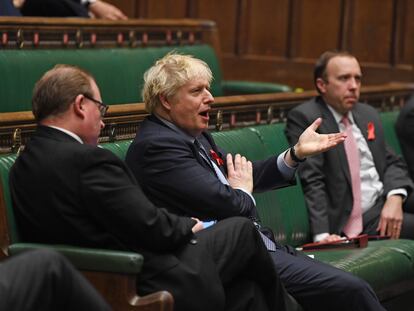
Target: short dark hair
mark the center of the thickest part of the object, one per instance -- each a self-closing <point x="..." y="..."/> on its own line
<point x="323" y="60"/>
<point x="58" y="88"/>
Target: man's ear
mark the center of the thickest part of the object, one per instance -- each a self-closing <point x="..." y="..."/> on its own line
<point x="78" y="106"/>
<point x="321" y="84"/>
<point x="164" y="102"/>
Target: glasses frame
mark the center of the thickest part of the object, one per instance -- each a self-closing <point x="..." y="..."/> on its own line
<point x="103" y="108"/>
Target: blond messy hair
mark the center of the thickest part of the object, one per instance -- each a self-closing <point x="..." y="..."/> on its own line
<point x="169" y="74"/>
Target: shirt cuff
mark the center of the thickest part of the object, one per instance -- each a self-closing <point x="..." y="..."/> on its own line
<point x="399" y="191"/>
<point x="287" y="171"/>
<point x="320" y="236"/>
<point x="248" y="193"/>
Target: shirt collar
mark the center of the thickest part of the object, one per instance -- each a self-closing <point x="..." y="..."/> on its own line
<point x="338" y="117"/>
<point x="67" y="132"/>
<point x="175" y="128"/>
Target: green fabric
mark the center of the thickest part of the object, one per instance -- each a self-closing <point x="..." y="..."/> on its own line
<point x="388" y="120"/>
<point x="118" y="72"/>
<point x="232" y="87"/>
<point x="6" y="163"/>
<point x="119" y="148"/>
<point x="382" y="263"/>
<point x="90" y="258"/>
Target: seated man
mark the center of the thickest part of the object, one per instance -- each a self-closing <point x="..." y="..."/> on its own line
<point x="65" y="190"/>
<point x="170" y="159"/>
<point x="44" y="280"/>
<point x="405" y="132"/>
<point x="361" y="186"/>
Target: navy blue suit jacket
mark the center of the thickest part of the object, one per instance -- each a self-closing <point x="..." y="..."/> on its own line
<point x="172" y="173"/>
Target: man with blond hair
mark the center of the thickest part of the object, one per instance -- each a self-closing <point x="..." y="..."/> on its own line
<point x="179" y="166"/>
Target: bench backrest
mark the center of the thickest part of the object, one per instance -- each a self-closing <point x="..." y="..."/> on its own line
<point x="118" y="72"/>
<point x="388" y="120"/>
<point x="283" y="210"/>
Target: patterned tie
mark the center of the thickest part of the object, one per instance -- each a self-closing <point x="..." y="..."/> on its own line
<point x="354" y="225"/>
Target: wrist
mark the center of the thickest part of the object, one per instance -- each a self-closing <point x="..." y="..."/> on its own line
<point x="295" y="155"/>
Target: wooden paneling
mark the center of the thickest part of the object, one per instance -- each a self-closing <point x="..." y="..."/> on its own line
<point x="266" y="28"/>
<point x="280" y="40"/>
<point x="226" y="15"/>
<point x="316" y="27"/>
<point x="369" y="32"/>
<point x="404" y="45"/>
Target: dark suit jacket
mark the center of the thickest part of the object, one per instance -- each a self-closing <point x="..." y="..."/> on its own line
<point x="69" y="193"/>
<point x="54" y="8"/>
<point x="405" y="131"/>
<point x="326" y="179"/>
<point x="172" y="173"/>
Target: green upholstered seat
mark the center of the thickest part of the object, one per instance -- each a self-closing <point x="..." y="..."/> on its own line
<point x="388" y="120"/>
<point x="282" y="210"/>
<point x="118" y="71"/>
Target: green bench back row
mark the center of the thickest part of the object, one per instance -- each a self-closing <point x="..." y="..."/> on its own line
<point x="119" y="72"/>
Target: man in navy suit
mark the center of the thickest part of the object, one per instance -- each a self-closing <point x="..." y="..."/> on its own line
<point x="382" y="177"/>
<point x="178" y="165"/>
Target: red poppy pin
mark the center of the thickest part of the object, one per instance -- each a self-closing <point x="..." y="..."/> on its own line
<point x="371" y="131"/>
<point x="216" y="157"/>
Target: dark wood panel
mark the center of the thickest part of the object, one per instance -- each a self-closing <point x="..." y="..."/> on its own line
<point x="316" y="27"/>
<point x="226" y="16"/>
<point x="369" y="35"/>
<point x="167" y="8"/>
<point x="405" y="34"/>
<point x="266" y="28"/>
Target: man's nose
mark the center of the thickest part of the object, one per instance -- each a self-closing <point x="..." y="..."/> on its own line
<point x="102" y="125"/>
<point x="209" y="98"/>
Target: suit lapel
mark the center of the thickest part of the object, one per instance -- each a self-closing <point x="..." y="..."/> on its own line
<point x="329" y="125"/>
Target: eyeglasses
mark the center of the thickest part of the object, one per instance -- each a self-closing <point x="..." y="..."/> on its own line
<point x="101" y="106"/>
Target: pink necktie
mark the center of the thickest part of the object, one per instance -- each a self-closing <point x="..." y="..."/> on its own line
<point x="354" y="225"/>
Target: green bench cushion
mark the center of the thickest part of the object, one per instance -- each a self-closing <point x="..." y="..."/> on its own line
<point x="119" y="72"/>
<point x="388" y="120"/>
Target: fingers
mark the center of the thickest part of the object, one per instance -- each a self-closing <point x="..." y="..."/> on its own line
<point x="230" y="166"/>
<point x="389" y="227"/>
<point x="314" y="126"/>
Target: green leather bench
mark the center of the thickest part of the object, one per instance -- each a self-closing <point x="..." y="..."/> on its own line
<point x="118" y="71"/>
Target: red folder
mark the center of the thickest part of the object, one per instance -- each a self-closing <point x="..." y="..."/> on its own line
<point x="360" y="241"/>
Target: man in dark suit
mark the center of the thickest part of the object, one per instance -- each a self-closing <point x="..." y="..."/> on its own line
<point x="45" y="280"/>
<point x="66" y="190"/>
<point x="405" y="132"/>
<point x="178" y="165"/>
<point x="344" y="196"/>
<point x="67" y="8"/>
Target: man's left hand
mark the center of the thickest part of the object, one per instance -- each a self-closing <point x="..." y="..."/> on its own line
<point x="391" y="217"/>
<point x="101" y="9"/>
<point x="311" y="143"/>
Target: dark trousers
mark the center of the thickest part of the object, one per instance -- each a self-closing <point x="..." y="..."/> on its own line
<point x="228" y="269"/>
<point x="44" y="280"/>
<point x="319" y="286"/>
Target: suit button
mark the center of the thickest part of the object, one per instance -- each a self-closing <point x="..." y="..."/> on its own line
<point x="193" y="241"/>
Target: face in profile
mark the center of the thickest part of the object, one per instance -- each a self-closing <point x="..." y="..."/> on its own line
<point x="341" y="86"/>
<point x="93" y="123"/>
<point x="189" y="107"/>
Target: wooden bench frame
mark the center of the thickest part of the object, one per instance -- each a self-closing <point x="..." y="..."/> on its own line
<point x="122" y="121"/>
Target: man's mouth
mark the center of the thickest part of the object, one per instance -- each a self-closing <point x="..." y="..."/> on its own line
<point x="204" y="114"/>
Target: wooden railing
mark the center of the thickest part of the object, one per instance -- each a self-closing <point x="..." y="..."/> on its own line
<point x="122" y="121"/>
<point x="38" y="33"/>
